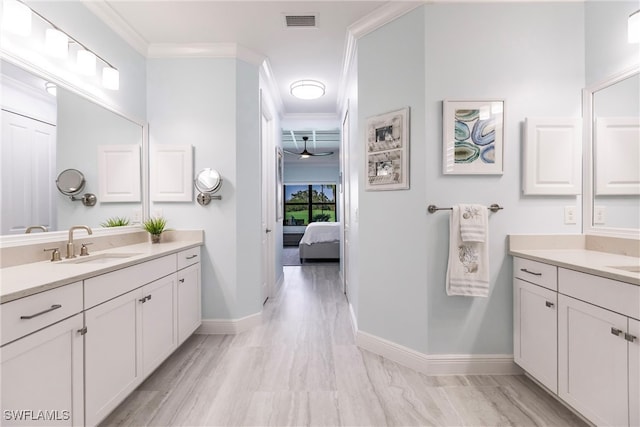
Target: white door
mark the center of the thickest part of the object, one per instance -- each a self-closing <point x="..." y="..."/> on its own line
<point x="44" y="372"/>
<point x="189" y="301"/>
<point x="592" y="361"/>
<point x="28" y="173"/>
<point x="268" y="192"/>
<point x="536" y="332"/>
<point x="345" y="199"/>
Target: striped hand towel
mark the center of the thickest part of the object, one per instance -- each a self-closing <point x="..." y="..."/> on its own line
<point x="474" y="221"/>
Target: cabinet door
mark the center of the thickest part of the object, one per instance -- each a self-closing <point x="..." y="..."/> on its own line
<point x="634" y="372"/>
<point x="42" y="377"/>
<point x="112" y="357"/>
<point x="158" y="322"/>
<point x="592" y="357"/>
<point x="535" y="332"/>
<point x="189" y="302"/>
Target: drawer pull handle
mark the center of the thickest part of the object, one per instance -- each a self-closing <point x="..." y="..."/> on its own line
<point x="530" y="272"/>
<point x="192" y="256"/>
<point x="549" y="304"/>
<point x="629" y="337"/>
<point x="616" y="331"/>
<point x="181" y="280"/>
<point x="53" y="307"/>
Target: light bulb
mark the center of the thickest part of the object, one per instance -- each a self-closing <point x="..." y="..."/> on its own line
<point x="110" y="78"/>
<point x="57" y="43"/>
<point x="86" y="62"/>
<point x="16" y="18"/>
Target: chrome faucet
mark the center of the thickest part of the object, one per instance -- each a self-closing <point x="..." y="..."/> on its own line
<point x="70" y="251"/>
<point x="36" y="227"/>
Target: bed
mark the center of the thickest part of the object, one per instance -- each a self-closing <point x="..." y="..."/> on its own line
<point x="321" y="240"/>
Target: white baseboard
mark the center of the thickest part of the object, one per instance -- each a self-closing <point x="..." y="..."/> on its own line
<point x="439" y="364"/>
<point x="354" y="320"/>
<point x="229" y="326"/>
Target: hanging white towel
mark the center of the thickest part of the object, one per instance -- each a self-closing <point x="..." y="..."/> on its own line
<point x="468" y="269"/>
<point x="474" y="222"/>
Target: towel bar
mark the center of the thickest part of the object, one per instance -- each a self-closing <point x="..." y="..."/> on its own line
<point x="433" y="208"/>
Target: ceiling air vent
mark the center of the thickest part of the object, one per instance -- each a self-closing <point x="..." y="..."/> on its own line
<point x="300" y="21"/>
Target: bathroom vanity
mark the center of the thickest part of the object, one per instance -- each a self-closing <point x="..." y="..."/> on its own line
<point x="577" y="323"/>
<point x="79" y="335"/>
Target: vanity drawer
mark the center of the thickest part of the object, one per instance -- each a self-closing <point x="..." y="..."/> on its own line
<point x="107" y="286"/>
<point x="536" y="272"/>
<point x="26" y="315"/>
<point x="621" y="297"/>
<point x="188" y="257"/>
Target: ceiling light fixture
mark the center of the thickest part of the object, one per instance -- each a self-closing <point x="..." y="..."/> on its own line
<point x="633" y="29"/>
<point x="16" y="18"/>
<point x="307" y="89"/>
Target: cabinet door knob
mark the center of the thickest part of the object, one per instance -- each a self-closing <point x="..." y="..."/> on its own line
<point x="629" y="337"/>
<point x="143" y="300"/>
<point x="549" y="304"/>
<point x="181" y="280"/>
<point x="616" y="331"/>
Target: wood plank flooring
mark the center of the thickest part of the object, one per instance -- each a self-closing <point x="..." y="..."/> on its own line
<point x="301" y="367"/>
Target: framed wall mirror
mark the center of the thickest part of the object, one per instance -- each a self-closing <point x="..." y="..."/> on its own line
<point x="44" y="134"/>
<point x="612" y="155"/>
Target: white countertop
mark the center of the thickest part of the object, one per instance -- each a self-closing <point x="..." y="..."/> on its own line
<point x="586" y="261"/>
<point x="27" y="279"/>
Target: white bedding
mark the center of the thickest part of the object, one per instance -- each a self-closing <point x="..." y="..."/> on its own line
<point x="318" y="232"/>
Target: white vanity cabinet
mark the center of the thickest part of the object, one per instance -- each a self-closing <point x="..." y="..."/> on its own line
<point x="535" y="330"/>
<point x="188" y="293"/>
<point x="598" y="347"/>
<point x="41" y="372"/>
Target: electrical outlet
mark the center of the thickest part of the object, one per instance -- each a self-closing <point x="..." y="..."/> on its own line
<point x="136" y="216"/>
<point x="569" y="214"/>
<point x="156" y="213"/>
<point x="599" y="215"/>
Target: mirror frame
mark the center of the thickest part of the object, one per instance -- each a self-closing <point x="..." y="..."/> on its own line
<point x="588" y="167"/>
<point x="86" y="93"/>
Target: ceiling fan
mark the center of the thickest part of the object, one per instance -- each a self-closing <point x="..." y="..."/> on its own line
<point x="306" y="154"/>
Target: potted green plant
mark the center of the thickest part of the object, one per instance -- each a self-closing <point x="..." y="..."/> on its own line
<point x="115" y="221"/>
<point x="155" y="227"/>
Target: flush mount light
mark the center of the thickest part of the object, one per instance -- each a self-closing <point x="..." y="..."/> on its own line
<point x="307" y="89"/>
<point x="51" y="88"/>
<point x="633" y="28"/>
<point x="57" y="43"/>
<point x="16" y="18"/>
<point x="110" y="78"/>
<point x="86" y="62"/>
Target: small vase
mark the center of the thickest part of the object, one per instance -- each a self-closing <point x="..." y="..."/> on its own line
<point x="155" y="238"/>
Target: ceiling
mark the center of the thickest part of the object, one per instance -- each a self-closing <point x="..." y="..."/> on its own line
<point x="292" y="53"/>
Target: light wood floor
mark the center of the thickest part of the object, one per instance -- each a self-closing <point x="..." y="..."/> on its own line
<point x="301" y="367"/>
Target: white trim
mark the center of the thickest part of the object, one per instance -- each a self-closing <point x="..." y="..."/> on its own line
<point x="440" y="364"/>
<point x="271" y="85"/>
<point x="229" y="326"/>
<point x="204" y="50"/>
<point x="119" y="26"/>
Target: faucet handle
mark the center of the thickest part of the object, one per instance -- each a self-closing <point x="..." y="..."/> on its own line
<point x="55" y="255"/>
<point x="84" y="250"/>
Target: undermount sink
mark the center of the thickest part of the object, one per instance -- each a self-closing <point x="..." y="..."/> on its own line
<point x="629" y="268"/>
<point x="100" y="258"/>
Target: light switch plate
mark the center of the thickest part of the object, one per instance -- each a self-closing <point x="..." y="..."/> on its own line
<point x="599" y="215"/>
<point x="136" y="216"/>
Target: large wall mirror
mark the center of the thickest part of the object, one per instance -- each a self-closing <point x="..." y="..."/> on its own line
<point x="612" y="169"/>
<point x="43" y="135"/>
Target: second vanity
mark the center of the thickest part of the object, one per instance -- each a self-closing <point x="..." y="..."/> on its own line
<point x="79" y="335"/>
<point x="577" y="323"/>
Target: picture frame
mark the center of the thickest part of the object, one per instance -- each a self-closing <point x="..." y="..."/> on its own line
<point x="279" y="184"/>
<point x="387" y="151"/>
<point x="473" y="137"/>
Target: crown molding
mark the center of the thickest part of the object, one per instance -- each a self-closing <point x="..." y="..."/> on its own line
<point x="114" y="21"/>
<point x="365" y="25"/>
<point x="272" y="86"/>
<point x="204" y="50"/>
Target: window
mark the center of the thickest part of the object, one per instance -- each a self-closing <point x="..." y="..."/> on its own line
<point x="309" y="203"/>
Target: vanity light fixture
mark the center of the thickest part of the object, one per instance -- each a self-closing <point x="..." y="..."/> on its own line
<point x="57" y="42"/>
<point x="16" y="18"/>
<point x="633" y="28"/>
<point x="307" y="89"/>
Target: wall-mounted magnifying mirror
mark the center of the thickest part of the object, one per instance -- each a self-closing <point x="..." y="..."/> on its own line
<point x="70" y="182"/>
<point x="208" y="182"/>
